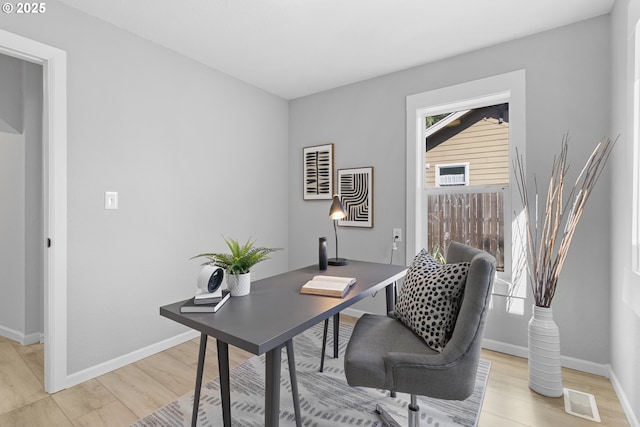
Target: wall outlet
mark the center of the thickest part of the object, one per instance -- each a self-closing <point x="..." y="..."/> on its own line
<point x="111" y="200"/>
<point x="253" y="276"/>
<point x="397" y="235"/>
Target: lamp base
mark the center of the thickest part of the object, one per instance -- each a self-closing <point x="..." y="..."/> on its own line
<point x="338" y="261"/>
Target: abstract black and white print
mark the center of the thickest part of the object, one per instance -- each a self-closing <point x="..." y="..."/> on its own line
<point x="356" y="193"/>
<point x="318" y="172"/>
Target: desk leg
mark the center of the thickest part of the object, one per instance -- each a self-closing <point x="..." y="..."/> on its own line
<point x="225" y="386"/>
<point x="336" y="331"/>
<point x="324" y="343"/>
<point x="391" y="290"/>
<point x="272" y="387"/>
<point x="391" y="296"/>
<point x="196" y="394"/>
<point x="294" y="383"/>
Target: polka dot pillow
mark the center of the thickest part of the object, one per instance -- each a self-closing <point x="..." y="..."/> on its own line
<point x="429" y="301"/>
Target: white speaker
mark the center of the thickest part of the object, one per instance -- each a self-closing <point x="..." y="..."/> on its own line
<point x="210" y="280"/>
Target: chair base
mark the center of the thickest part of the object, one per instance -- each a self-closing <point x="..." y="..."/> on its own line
<point x="413" y="419"/>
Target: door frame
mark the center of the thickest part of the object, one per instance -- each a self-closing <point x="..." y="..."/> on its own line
<point x="54" y="166"/>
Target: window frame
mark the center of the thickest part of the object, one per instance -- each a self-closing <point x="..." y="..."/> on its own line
<point x="439" y="168"/>
<point x="504" y="88"/>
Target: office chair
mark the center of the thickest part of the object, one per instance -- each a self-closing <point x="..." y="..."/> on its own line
<point x="385" y="353"/>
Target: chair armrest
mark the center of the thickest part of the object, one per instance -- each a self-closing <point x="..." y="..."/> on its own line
<point x="431" y="374"/>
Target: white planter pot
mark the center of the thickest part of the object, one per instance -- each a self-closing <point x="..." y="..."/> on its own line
<point x="545" y="373"/>
<point x="239" y="284"/>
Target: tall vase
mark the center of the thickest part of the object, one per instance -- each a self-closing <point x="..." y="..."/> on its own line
<point x="239" y="284"/>
<point x="545" y="373"/>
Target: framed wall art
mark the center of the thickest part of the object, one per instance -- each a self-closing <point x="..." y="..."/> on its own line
<point x="318" y="172"/>
<point x="355" y="187"/>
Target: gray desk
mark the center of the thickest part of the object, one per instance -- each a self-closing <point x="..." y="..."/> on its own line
<point x="269" y="317"/>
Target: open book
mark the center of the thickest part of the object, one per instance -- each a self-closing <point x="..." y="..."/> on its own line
<point x="332" y="286"/>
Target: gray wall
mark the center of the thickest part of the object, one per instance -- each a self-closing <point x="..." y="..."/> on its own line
<point x="186" y="146"/>
<point x="625" y="284"/>
<point x="567" y="75"/>
<point x="34" y="241"/>
<point x="21" y="245"/>
<point x="193" y="153"/>
<point x="12" y="246"/>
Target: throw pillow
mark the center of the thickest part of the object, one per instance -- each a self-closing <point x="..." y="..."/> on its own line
<point x="430" y="299"/>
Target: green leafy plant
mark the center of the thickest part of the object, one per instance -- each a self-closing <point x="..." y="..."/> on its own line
<point x="436" y="253"/>
<point x="242" y="256"/>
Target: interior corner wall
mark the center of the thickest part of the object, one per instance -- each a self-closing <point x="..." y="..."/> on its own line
<point x="12" y="245"/>
<point x="567" y="90"/>
<point x="625" y="316"/>
<point x="21" y="247"/>
<point x="33" y="233"/>
<point x="189" y="150"/>
<point x="12" y="176"/>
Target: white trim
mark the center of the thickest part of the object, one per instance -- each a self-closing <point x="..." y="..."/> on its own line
<point x="54" y="144"/>
<point x="631" y="288"/>
<point x="441" y="166"/>
<point x="444" y="123"/>
<point x="127" y="359"/>
<point x="509" y="87"/>
<point x="624" y="401"/>
<point x="353" y="312"/>
<point x="18" y="336"/>
<point x="602" y="369"/>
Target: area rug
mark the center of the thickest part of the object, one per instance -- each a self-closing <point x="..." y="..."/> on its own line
<point x="325" y="398"/>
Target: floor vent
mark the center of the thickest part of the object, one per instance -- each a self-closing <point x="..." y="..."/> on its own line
<point x="581" y="405"/>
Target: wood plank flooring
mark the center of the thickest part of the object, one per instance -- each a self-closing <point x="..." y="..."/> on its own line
<point x="121" y="397"/>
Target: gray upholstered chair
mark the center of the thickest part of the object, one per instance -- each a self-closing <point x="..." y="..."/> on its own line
<point x="383" y="353"/>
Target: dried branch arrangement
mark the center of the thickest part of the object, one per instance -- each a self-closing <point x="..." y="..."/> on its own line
<point x="548" y="234"/>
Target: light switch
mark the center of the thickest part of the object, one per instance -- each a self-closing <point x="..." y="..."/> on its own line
<point x="111" y="200"/>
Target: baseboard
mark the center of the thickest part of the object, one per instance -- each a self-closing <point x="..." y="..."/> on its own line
<point x="20" y="337"/>
<point x="353" y="312"/>
<point x="624" y="401"/>
<point x="602" y="369"/>
<point x="119" y="362"/>
<point x="11" y="334"/>
<point x="34" y="338"/>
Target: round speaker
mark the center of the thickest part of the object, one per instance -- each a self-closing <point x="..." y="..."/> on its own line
<point x="210" y="278"/>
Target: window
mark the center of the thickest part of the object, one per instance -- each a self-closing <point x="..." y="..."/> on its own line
<point x="631" y="288"/>
<point x="636" y="154"/>
<point x="461" y="207"/>
<point x="484" y="209"/>
<point x="452" y="174"/>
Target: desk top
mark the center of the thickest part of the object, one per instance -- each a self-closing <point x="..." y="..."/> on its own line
<point x="275" y="311"/>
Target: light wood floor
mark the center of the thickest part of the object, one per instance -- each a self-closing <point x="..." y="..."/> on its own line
<point x="121" y="397"/>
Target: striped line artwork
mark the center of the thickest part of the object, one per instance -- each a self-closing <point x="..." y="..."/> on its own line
<point x="354" y="192"/>
<point x="318" y="172"/>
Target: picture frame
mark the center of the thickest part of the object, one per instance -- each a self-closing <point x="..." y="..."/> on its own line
<point x="355" y="187"/>
<point x="317" y="172"/>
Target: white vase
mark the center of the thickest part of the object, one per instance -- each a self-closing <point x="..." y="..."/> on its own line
<point x="239" y="284"/>
<point x="545" y="372"/>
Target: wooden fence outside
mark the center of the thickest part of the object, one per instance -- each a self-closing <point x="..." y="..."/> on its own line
<point x="475" y="219"/>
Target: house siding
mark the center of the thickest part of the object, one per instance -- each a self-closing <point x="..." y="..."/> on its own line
<point x="483" y="142"/>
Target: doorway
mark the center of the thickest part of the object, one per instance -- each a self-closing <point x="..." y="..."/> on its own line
<point x="54" y="200"/>
<point x="21" y="225"/>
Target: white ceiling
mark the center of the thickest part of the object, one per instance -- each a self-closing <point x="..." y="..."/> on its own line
<point x="294" y="48"/>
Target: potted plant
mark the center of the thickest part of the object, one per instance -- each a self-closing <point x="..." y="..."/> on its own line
<point x="238" y="263"/>
<point x="546" y="238"/>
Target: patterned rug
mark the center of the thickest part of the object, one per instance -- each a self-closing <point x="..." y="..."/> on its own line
<point x="325" y="398"/>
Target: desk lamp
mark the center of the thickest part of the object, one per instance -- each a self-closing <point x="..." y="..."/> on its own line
<point x="337" y="212"/>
